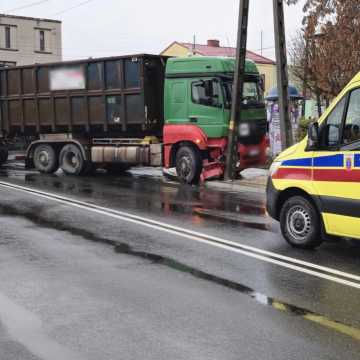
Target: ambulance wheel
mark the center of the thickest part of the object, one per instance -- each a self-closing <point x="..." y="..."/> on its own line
<point x="188" y="165"/>
<point x="45" y="159"/>
<point x="300" y="223"/>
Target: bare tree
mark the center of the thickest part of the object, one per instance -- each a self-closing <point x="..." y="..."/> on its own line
<point x="325" y="55"/>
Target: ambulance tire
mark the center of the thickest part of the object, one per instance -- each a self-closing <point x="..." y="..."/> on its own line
<point x="300" y="223"/>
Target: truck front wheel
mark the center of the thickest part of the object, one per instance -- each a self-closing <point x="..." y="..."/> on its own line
<point x="188" y="165"/>
<point x="300" y="223"/>
<point x="71" y="160"/>
<point x="45" y="159"/>
<point x="3" y="154"/>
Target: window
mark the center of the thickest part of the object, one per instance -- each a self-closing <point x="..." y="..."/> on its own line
<point x="200" y="95"/>
<point x="352" y="122"/>
<point x="330" y="131"/>
<point x="252" y="93"/>
<point x="42" y="40"/>
<point x="7" y="37"/>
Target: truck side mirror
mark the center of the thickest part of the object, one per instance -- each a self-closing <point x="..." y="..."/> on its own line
<point x="209" y="88"/>
<point x="313" y="136"/>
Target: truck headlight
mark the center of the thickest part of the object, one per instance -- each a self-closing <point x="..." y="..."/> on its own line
<point x="274" y="167"/>
<point x="244" y="129"/>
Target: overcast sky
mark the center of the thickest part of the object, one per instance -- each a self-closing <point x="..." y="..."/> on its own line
<point x="116" y="27"/>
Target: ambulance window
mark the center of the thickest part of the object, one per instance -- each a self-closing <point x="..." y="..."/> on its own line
<point x="330" y="133"/>
<point x="352" y="123"/>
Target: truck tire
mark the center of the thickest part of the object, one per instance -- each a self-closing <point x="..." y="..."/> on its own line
<point x="3" y="155"/>
<point x="45" y="159"/>
<point x="300" y="223"/>
<point x="188" y="165"/>
<point x="72" y="161"/>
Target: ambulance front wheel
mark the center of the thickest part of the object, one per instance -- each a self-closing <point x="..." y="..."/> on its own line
<point x="300" y="223"/>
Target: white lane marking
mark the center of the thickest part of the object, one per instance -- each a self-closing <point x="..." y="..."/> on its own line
<point x="249" y="251"/>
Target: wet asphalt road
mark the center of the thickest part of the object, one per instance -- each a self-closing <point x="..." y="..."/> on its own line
<point x="77" y="284"/>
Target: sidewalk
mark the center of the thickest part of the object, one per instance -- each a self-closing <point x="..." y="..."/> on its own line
<point x="254" y="180"/>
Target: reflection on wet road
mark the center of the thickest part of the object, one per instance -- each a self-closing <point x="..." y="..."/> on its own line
<point x="151" y="194"/>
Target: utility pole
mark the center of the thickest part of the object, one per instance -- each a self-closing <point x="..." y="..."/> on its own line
<point x="282" y="74"/>
<point x="238" y="86"/>
<point x="306" y="70"/>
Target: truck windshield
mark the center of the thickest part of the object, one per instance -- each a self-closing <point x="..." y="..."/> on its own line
<point x="252" y="94"/>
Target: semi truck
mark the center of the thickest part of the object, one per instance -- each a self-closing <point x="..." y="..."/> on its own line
<point x="125" y="111"/>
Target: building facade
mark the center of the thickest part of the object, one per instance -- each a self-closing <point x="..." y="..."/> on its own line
<point x="267" y="67"/>
<point x="26" y="40"/>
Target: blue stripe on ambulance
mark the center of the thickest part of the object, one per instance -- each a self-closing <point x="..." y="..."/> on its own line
<point x="320" y="161"/>
<point x="357" y="161"/>
<point x="329" y="161"/>
<point x="298" y="162"/>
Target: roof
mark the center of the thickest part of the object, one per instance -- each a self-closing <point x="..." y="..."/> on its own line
<point x="206" y="50"/>
<point x="28" y="18"/>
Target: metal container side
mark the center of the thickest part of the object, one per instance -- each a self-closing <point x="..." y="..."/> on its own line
<point x="105" y="97"/>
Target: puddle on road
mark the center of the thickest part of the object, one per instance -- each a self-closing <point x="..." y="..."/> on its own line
<point x="152" y="195"/>
<point x="34" y="215"/>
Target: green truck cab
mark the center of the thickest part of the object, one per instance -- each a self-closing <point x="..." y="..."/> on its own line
<point x="198" y="96"/>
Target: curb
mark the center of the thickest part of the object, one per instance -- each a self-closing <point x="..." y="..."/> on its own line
<point x="235" y="187"/>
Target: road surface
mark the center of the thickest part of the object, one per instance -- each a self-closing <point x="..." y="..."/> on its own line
<point x="132" y="267"/>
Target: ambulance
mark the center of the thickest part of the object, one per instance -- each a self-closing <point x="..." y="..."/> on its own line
<point x="313" y="188"/>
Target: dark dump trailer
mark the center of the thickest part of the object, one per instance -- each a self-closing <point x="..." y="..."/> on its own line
<point x="103" y="112"/>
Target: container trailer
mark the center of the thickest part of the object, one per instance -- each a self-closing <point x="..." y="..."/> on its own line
<point x="125" y="111"/>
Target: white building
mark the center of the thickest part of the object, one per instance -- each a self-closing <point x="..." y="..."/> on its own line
<point x="26" y="40"/>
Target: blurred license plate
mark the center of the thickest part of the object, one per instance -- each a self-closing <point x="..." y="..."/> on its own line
<point x="254" y="152"/>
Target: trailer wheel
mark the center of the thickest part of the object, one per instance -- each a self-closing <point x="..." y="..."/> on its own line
<point x="3" y="155"/>
<point x="45" y="159"/>
<point x="188" y="165"/>
<point x="300" y="223"/>
<point x="72" y="161"/>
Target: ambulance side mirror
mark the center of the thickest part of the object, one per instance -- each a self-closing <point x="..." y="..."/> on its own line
<point x="313" y="136"/>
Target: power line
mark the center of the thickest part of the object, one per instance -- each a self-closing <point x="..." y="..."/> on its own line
<point x="72" y="7"/>
<point x="27" y="6"/>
